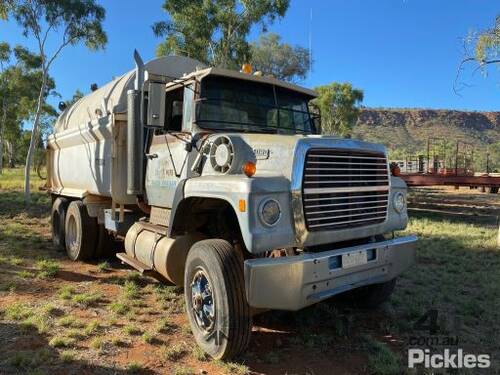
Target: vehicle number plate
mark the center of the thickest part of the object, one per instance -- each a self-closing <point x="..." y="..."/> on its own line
<point x="354" y="259"/>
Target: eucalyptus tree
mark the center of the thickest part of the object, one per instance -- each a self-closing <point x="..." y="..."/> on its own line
<point x="283" y="61"/>
<point x="76" y="97"/>
<point x="339" y="105"/>
<point x="5" y="53"/>
<point x="20" y="79"/>
<point x="215" y="31"/>
<point x="481" y="48"/>
<point x="63" y="22"/>
<point x="487" y="45"/>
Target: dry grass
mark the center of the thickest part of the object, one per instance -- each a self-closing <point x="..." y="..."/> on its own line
<point x="174" y="352"/>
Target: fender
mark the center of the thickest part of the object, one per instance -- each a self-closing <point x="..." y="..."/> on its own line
<point x="253" y="191"/>
<point x="178" y="197"/>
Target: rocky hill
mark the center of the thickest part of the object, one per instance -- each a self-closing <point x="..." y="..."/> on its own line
<point x="407" y="130"/>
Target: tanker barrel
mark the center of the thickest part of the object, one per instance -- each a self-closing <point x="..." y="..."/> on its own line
<point x="135" y="143"/>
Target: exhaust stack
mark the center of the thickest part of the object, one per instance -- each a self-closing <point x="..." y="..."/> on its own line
<point x="135" y="131"/>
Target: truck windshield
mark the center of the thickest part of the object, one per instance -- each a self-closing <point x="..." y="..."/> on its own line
<point x="241" y="105"/>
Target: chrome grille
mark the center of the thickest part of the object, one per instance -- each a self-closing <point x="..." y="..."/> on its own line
<point x="344" y="189"/>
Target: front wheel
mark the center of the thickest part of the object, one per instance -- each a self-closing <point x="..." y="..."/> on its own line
<point x="214" y="290"/>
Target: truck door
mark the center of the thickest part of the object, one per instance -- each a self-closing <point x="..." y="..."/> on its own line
<point x="167" y="158"/>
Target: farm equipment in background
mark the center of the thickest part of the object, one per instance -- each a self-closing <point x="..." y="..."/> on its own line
<point x="446" y="164"/>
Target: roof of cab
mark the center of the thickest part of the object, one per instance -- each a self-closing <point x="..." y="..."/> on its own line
<point x="200" y="74"/>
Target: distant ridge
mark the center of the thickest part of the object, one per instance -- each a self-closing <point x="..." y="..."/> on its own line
<point x="407" y="130"/>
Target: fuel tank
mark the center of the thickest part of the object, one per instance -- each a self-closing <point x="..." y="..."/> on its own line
<point x="166" y="256"/>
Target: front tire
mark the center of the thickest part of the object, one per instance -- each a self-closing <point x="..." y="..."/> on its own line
<point x="57" y="221"/>
<point x="81" y="232"/>
<point x="214" y="291"/>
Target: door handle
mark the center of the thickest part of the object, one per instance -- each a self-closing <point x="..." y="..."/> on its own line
<point x="151" y="156"/>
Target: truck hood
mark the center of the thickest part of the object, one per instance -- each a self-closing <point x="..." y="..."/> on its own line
<point x="274" y="154"/>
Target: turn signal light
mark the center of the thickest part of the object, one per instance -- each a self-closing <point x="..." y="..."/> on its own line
<point x="249" y="168"/>
<point x="242" y="205"/>
<point x="246" y="68"/>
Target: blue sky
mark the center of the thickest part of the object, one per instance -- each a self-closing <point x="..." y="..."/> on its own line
<point x="402" y="53"/>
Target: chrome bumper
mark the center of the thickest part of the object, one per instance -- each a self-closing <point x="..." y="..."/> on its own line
<point x="291" y="283"/>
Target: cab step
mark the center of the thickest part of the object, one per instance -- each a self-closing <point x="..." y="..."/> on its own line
<point x="134" y="263"/>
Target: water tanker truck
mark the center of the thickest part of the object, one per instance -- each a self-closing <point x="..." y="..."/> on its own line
<point x="219" y="181"/>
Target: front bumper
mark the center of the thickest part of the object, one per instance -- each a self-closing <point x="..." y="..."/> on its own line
<point x="291" y="283"/>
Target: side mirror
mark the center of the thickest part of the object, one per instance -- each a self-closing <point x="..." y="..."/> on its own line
<point x="62" y="106"/>
<point x="155" y="112"/>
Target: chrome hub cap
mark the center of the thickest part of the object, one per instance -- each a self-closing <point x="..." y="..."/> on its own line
<point x="203" y="305"/>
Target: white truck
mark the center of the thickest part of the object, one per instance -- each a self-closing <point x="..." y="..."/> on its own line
<point x="219" y="181"/>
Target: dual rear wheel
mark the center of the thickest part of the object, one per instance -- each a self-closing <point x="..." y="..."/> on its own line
<point x="78" y="233"/>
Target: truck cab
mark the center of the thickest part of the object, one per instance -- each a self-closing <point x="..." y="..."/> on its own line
<point x="233" y="193"/>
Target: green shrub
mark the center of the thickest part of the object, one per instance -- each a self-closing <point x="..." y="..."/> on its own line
<point x="18" y="311"/>
<point x="61" y="341"/>
<point x="86" y="299"/>
<point x="47" y="268"/>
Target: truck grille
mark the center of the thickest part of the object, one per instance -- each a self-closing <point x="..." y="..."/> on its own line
<point x="344" y="189"/>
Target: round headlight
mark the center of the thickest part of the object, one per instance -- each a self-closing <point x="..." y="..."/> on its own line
<point x="399" y="202"/>
<point x="270" y="212"/>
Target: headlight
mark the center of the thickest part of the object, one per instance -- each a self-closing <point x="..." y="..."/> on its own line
<point x="270" y="212"/>
<point x="399" y="202"/>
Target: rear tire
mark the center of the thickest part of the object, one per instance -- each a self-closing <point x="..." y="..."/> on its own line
<point x="214" y="291"/>
<point x="81" y="232"/>
<point x="371" y="296"/>
<point x="105" y="243"/>
<point x="57" y="220"/>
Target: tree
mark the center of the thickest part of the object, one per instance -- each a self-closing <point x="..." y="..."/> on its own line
<point x="5" y="52"/>
<point x="20" y="79"/>
<point x="281" y="60"/>
<point x="485" y="49"/>
<point x="76" y="97"/>
<point x="70" y="22"/>
<point x="3" y="11"/>
<point x="214" y="31"/>
<point x="338" y="103"/>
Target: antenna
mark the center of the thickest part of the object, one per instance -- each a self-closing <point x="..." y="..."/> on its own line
<point x="310" y="40"/>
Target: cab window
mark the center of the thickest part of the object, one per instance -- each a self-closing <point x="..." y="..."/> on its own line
<point x="173" y="111"/>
